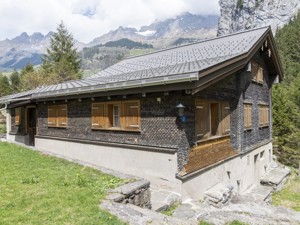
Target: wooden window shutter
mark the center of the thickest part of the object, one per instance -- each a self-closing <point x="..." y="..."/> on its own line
<point x="52" y="115"/>
<point x="62" y="116"/>
<point x="131" y="115"/>
<point x="225" y="118"/>
<point x="18" y="112"/>
<point x="267" y="115"/>
<point x="202" y="120"/>
<point x="98" y="115"/>
<point x="110" y="115"/>
<point x="247" y="115"/>
<point x="260" y="74"/>
<point x="257" y="72"/>
<point x="263" y="115"/>
<point x="254" y="70"/>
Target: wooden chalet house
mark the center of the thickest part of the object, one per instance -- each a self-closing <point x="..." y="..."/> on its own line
<point x="188" y="117"/>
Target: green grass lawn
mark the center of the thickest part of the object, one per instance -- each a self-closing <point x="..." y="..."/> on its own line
<point x="40" y="189"/>
<point x="289" y="196"/>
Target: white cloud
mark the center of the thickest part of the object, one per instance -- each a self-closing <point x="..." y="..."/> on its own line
<point x="87" y="19"/>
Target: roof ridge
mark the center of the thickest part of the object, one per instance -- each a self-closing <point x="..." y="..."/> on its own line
<point x="198" y="42"/>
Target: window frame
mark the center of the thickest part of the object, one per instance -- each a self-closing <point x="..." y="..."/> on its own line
<point x="222" y="126"/>
<point x="108" y="121"/>
<point x="57" y="116"/>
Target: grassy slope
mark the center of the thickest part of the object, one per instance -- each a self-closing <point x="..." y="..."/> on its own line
<point x="289" y="196"/>
<point x="39" y="189"/>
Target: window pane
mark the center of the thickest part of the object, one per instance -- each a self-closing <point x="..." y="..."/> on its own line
<point x="116" y="116"/>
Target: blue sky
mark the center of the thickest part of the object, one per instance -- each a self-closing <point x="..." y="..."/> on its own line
<point x="87" y="19"/>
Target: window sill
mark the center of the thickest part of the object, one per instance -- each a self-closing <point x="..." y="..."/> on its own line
<point x="258" y="82"/>
<point x="58" y="127"/>
<point x="248" y="130"/>
<point x="264" y="126"/>
<point x="116" y="129"/>
<point x="213" y="138"/>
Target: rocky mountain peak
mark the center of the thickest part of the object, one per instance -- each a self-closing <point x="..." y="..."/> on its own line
<point x="246" y="14"/>
<point x="22" y="38"/>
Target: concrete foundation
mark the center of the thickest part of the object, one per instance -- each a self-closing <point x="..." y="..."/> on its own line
<point x="158" y="167"/>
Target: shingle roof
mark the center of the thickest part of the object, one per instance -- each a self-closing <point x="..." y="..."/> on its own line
<point x="26" y="94"/>
<point x="166" y="66"/>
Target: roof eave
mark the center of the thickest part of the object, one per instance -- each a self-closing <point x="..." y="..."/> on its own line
<point x="178" y="78"/>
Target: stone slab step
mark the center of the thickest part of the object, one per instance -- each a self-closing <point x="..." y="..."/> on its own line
<point x="255" y="194"/>
<point x="275" y="177"/>
<point x="162" y="199"/>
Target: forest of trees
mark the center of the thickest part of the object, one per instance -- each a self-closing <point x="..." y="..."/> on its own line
<point x="286" y="96"/>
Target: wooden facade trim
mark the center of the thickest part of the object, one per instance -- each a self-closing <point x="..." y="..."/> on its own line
<point x="209" y="153"/>
<point x="183" y="176"/>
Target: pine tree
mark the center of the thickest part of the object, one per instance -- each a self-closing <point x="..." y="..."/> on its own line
<point x="62" y="59"/>
<point x="15" y="81"/>
<point x="4" y="85"/>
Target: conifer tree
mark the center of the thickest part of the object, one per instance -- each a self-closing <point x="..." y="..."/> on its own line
<point x="4" y="85"/>
<point x="62" y="59"/>
<point x="286" y="96"/>
<point x="15" y="81"/>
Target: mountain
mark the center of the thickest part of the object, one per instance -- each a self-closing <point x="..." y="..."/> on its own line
<point x="246" y="14"/>
<point x="23" y="49"/>
<point x="184" y="28"/>
<point x="161" y="33"/>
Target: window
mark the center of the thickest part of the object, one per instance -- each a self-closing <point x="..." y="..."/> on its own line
<point x="116" y="115"/>
<point x="113" y="114"/>
<point x="212" y="119"/>
<point x="257" y="72"/>
<point x="247" y="115"/>
<point x="18" y="112"/>
<point x="263" y="115"/>
<point x="57" y="116"/>
<point x="262" y="155"/>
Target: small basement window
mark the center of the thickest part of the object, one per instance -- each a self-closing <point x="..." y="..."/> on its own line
<point x="57" y="116"/>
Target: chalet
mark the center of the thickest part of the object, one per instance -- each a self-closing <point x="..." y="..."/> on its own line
<point x="187" y="117"/>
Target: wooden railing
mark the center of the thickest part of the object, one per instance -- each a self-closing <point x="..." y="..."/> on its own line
<point x="209" y="152"/>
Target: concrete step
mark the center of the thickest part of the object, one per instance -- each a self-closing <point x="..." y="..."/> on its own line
<point x="276" y="177"/>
